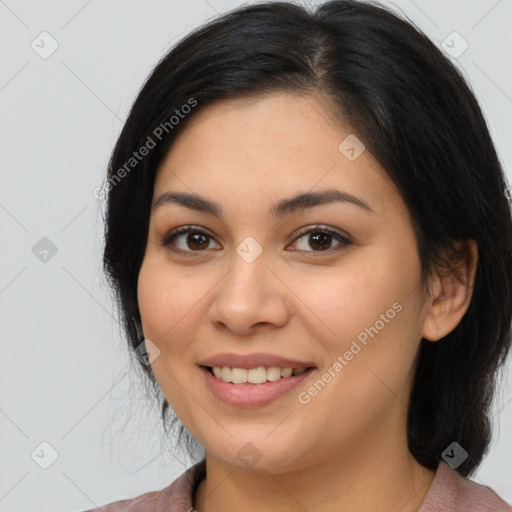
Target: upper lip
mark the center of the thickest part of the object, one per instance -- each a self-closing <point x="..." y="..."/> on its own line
<point x="253" y="361"/>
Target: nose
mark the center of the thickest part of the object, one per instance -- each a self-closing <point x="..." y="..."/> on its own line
<point x="250" y="294"/>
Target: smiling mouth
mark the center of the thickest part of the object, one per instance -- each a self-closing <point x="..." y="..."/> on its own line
<point x="259" y="375"/>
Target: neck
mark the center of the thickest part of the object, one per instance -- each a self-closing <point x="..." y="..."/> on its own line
<point x="372" y="477"/>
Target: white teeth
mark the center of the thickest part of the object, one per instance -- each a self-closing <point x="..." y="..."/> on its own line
<point x="257" y="375"/>
<point x="225" y="374"/>
<point x="286" y="372"/>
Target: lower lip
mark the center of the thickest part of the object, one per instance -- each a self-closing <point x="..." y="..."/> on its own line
<point x="252" y="395"/>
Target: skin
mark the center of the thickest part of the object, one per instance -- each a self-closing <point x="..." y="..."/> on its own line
<point x="347" y="448"/>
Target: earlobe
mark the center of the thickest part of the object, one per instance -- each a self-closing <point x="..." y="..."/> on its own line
<point x="431" y="329"/>
<point x="452" y="292"/>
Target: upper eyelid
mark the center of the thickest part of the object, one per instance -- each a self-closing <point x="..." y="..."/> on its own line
<point x="182" y="230"/>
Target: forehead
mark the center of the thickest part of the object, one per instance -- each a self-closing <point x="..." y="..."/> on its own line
<point x="254" y="150"/>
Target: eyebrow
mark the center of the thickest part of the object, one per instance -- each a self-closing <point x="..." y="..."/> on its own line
<point x="287" y="206"/>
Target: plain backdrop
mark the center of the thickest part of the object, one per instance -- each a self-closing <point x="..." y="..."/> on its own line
<point x="65" y="378"/>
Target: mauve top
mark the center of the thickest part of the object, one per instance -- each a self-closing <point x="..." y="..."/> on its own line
<point x="449" y="492"/>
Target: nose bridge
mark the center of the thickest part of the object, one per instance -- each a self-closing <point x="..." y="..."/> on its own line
<point x="249" y="294"/>
<point x="246" y="282"/>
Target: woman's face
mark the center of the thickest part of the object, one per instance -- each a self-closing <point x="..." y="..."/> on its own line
<point x="258" y="280"/>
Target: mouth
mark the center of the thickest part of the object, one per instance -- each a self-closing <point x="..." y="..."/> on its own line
<point x="255" y="376"/>
<point x="232" y="386"/>
<point x="254" y="379"/>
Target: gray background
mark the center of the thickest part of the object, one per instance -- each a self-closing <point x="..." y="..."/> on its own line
<point x="65" y="375"/>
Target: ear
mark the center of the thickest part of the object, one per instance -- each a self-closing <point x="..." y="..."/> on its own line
<point x="451" y="292"/>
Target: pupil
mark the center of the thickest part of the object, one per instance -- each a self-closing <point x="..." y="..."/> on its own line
<point x="192" y="239"/>
<point x="319" y="239"/>
<point x="319" y="236"/>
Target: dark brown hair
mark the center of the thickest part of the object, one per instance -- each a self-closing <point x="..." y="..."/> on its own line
<point x="414" y="111"/>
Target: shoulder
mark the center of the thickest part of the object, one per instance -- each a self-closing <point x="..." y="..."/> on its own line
<point x="176" y="497"/>
<point x="142" y="503"/>
<point x="452" y="492"/>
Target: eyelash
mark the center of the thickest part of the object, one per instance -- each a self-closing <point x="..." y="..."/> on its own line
<point x="168" y="239"/>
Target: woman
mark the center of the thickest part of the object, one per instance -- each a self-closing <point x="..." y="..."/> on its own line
<point x="310" y="239"/>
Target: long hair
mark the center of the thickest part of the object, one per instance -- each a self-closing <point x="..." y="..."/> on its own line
<point x="413" y="110"/>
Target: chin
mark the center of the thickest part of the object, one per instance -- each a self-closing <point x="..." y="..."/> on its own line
<point x="260" y="454"/>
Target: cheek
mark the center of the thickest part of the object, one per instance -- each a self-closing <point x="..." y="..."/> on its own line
<point x="172" y="307"/>
<point x="366" y="313"/>
<point x="152" y="299"/>
<point x="343" y="303"/>
<point x="162" y="301"/>
<point x="167" y="322"/>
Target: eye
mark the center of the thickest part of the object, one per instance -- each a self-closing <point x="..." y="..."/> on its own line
<point x="192" y="237"/>
<point x="319" y="239"/>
